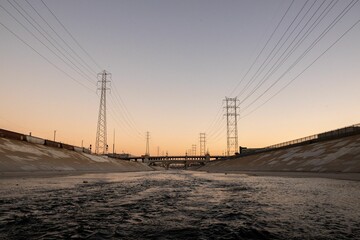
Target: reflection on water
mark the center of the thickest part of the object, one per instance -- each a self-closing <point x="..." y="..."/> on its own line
<point x="179" y="205"/>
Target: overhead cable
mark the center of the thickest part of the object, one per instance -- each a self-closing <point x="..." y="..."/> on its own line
<point x="313" y="62"/>
<point x="314" y="43"/>
<point x="73" y="38"/>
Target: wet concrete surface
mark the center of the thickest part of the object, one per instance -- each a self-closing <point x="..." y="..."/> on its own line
<point x="178" y="205"/>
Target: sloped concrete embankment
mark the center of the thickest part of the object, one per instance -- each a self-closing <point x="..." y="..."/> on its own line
<point x="340" y="155"/>
<point x="20" y="156"/>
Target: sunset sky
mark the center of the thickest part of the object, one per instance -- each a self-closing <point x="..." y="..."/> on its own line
<point x="172" y="65"/>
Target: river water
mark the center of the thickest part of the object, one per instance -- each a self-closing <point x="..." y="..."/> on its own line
<point x="178" y="205"/>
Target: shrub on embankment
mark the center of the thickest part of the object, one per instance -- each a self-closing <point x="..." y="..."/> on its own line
<point x="22" y="156"/>
<point x="339" y="155"/>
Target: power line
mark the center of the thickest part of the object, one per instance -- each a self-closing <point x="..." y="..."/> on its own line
<point x="218" y="127"/>
<point x="263" y="80"/>
<point x="330" y="26"/>
<point x="220" y="136"/>
<point x="313" y="62"/>
<point x="128" y="117"/>
<point x="118" y="122"/>
<point x="68" y="32"/>
<point x="62" y="39"/>
<point x="216" y="124"/>
<point x="123" y="106"/>
<point x="126" y="125"/>
<point x="83" y="74"/>
<point x="254" y="76"/>
<point x="262" y="50"/>
<point x="216" y="119"/>
<point x="46" y="59"/>
<point x="127" y="113"/>
<point x="45" y="45"/>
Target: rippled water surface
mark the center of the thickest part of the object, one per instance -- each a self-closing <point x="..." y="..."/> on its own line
<point x="179" y="205"/>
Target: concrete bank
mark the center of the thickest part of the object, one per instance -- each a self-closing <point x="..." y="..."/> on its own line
<point x="23" y="158"/>
<point x="335" y="158"/>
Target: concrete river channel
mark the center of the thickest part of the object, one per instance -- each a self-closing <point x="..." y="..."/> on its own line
<point x="178" y="204"/>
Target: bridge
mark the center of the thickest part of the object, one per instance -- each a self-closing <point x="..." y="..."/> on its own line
<point x="166" y="161"/>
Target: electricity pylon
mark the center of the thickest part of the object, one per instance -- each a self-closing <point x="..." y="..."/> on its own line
<point x="231" y="123"/>
<point x="101" y="133"/>
<point x="193" y="150"/>
<point x="202" y="144"/>
<point x="147" y="151"/>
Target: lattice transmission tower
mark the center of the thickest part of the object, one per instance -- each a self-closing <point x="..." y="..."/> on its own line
<point x="193" y="150"/>
<point x="202" y="144"/>
<point x="147" y="151"/>
<point x="101" y="133"/>
<point x="231" y="106"/>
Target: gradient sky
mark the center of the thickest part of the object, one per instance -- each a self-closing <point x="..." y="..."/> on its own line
<point x="172" y="64"/>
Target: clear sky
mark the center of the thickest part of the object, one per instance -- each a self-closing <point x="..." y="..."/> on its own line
<point x="173" y="63"/>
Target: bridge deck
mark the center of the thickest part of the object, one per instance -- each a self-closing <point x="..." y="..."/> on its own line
<point x="167" y="158"/>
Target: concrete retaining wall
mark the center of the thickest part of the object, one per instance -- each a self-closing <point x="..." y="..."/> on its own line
<point x="340" y="155"/>
<point x="21" y="156"/>
<point x="35" y="140"/>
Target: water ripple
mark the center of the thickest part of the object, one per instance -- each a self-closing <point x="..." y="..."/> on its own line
<point x="181" y="205"/>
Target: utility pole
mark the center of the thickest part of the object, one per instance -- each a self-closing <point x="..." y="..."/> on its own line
<point x="202" y="144"/>
<point x="101" y="133"/>
<point x="231" y="107"/>
<point x="54" y="135"/>
<point x="158" y="151"/>
<point x="147" y="152"/>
